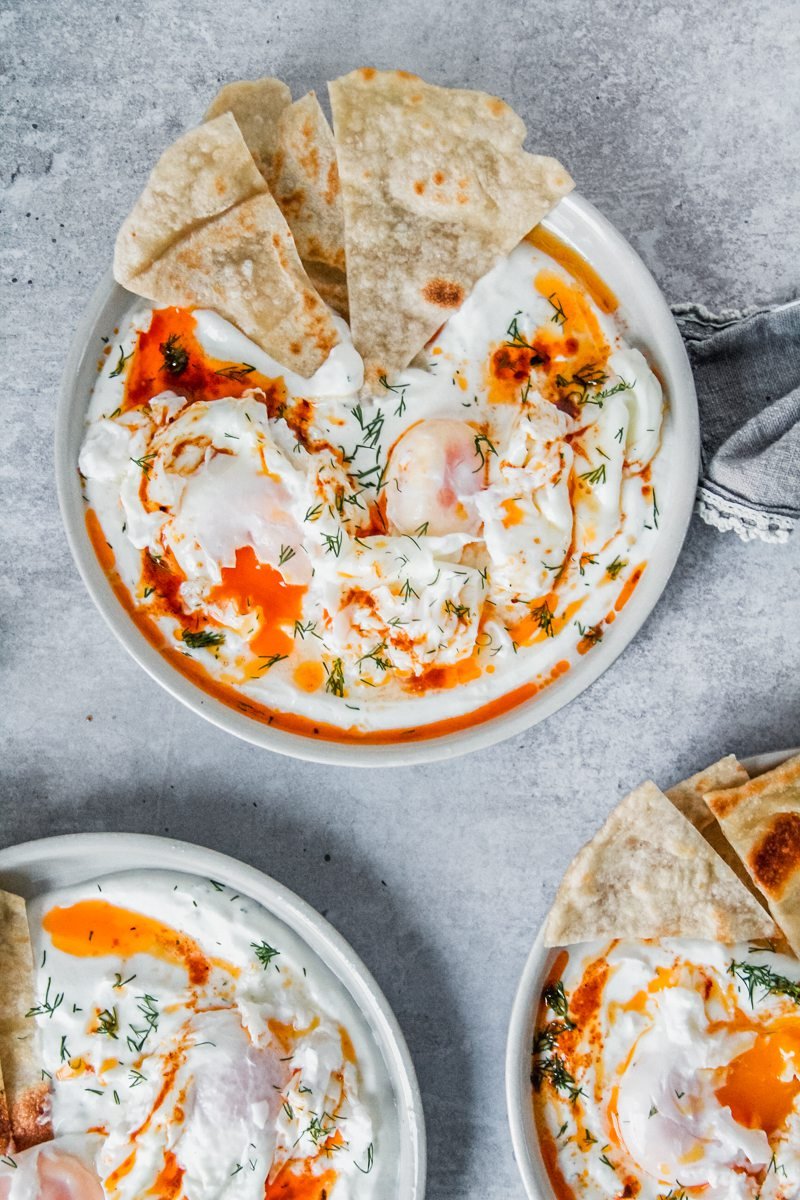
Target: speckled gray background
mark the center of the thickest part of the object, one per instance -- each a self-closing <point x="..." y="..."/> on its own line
<point x="681" y="122"/>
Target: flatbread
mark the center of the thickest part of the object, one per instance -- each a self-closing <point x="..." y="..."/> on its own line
<point x="436" y="189"/>
<point x="304" y="180"/>
<point x="648" y="873"/>
<point x="293" y="146"/>
<point x="256" y="104"/>
<point x="689" y="798"/>
<point x="206" y="232"/>
<point x="204" y="173"/>
<point x="6" y="1135"/>
<point x="26" y="1093"/>
<point x="761" y="820"/>
<point x="244" y="265"/>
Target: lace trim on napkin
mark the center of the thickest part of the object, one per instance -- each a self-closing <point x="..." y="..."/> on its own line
<point x="746" y="523"/>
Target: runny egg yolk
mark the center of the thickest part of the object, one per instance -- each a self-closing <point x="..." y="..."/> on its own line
<point x="435" y="471"/>
<point x="756" y="1087"/>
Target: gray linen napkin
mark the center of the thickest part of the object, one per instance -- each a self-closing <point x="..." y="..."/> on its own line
<point x="747" y="372"/>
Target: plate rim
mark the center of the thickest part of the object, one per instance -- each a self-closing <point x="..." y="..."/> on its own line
<point x="323" y="939"/>
<point x="72" y="406"/>
<point x="521" y="1125"/>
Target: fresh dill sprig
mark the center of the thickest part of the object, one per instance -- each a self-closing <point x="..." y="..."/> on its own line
<point x="120" y="367"/>
<point x="333" y="543"/>
<point x="108" y="1022"/>
<point x="544" y="615"/>
<point x="377" y="656"/>
<point x="264" y="953"/>
<point x="269" y="660"/>
<point x="335" y="681"/>
<point x="559" y="317"/>
<point x="46" y="1007"/>
<point x="144" y="462"/>
<point x="483" y="447"/>
<point x="237" y="371"/>
<point x="760" y="978"/>
<point x="140" y="1033"/>
<point x="590" y="633"/>
<point x="202" y="638"/>
<point x="595" y="475"/>
<point x="176" y="357"/>
<point x="370" y="1161"/>
<point x="613" y="569"/>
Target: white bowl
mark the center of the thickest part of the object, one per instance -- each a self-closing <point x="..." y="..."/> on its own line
<point x="648" y="324"/>
<point x="520" y="1039"/>
<point x="36" y="867"/>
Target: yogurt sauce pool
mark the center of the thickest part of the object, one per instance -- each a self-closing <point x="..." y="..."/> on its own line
<point x="383" y="563"/>
<point x="192" y="1040"/>
<point x="670" y="1069"/>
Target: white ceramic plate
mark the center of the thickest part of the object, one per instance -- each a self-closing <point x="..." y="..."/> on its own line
<point x="520" y="1039"/>
<point x="36" y="867"/>
<point x="648" y="324"/>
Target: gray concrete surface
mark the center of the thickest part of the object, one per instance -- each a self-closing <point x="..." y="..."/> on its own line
<point x="681" y="122"/>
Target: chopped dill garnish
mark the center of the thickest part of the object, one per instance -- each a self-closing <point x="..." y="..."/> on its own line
<point x="595" y="475"/>
<point x="264" y="953"/>
<point x="269" y="660"/>
<point x="144" y="462"/>
<point x="590" y="633"/>
<point x="335" y="681"/>
<point x="47" y="1006"/>
<point x="238" y="371"/>
<point x="613" y="569"/>
<point x="376" y="655"/>
<point x="333" y="543"/>
<point x="481" y="441"/>
<point x="108" y="1022"/>
<point x="462" y="612"/>
<point x="286" y="553"/>
<point x="554" y="1069"/>
<point x="202" y="638"/>
<point x="556" y="999"/>
<point x="760" y="978"/>
<point x="370" y="1160"/>
<point x="176" y="358"/>
<point x="120" y="367"/>
<point x="559" y="317"/>
<point x="140" y="1033"/>
<point x="544" y="617"/>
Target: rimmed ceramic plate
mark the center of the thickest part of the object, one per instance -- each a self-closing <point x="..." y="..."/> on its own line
<point x="648" y="325"/>
<point x="520" y="1038"/>
<point x="33" y="868"/>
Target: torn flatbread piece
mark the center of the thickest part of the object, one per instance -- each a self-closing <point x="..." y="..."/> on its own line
<point x="6" y="1136"/>
<point x="689" y="798"/>
<point x="648" y="873"/>
<point x="304" y="180"/>
<point x="26" y="1093"/>
<point x="436" y="189"/>
<point x="761" y="820"/>
<point x="293" y="146"/>
<point x="206" y="233"/>
<point x="256" y="105"/>
<point x="207" y="171"/>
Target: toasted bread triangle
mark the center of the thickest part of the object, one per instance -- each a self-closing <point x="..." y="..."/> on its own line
<point x="761" y="820"/>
